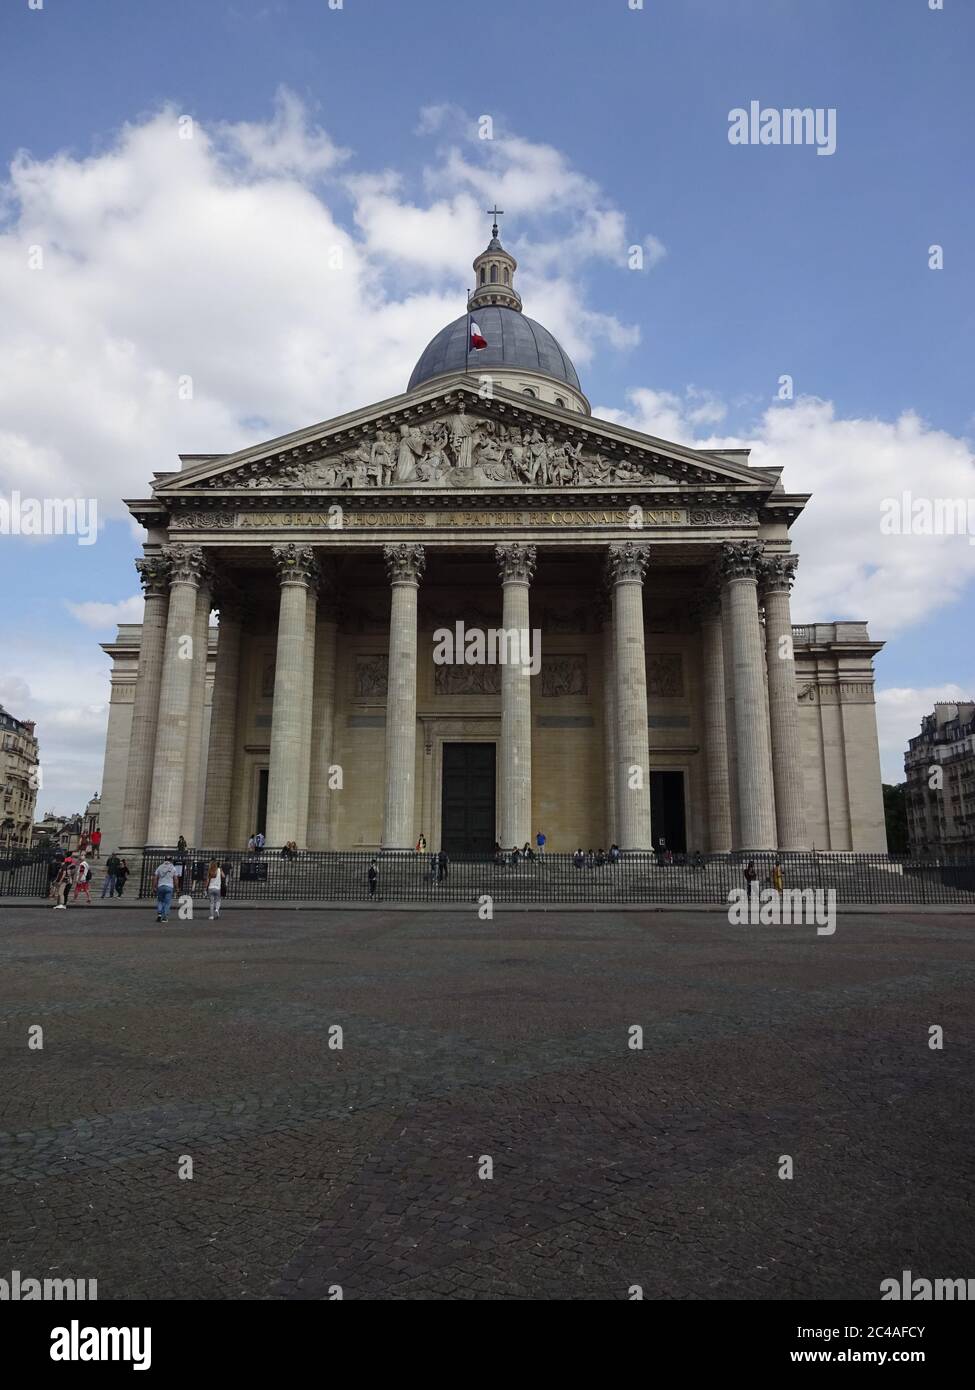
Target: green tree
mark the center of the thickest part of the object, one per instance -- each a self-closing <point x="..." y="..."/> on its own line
<point x="895" y="816"/>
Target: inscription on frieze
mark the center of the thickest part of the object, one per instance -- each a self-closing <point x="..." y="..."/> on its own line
<point x="353" y="519"/>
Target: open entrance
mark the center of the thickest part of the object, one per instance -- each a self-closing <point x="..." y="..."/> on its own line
<point x="667" y="811"/>
<point x="467" y="816"/>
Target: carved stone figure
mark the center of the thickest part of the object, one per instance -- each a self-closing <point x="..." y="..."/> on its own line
<point x="461" y="679"/>
<point x="372" y="676"/>
<point x="464" y="450"/>
<point x="665" y="676"/>
<point x="564" y="675"/>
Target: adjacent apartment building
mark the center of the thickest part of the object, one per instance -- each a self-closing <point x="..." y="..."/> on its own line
<point x="940" y="767"/>
<point x="18" y="780"/>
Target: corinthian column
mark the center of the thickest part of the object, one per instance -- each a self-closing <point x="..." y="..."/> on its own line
<point x="187" y="571"/>
<point x="307" y="700"/>
<point x="223" y="723"/>
<point x="715" y="728"/>
<point x="198" y="693"/>
<point x="627" y="563"/>
<point x="516" y="563"/>
<point x="296" y="572"/>
<point x="740" y="563"/>
<point x="605" y="608"/>
<point x="405" y="564"/>
<point x="777" y="576"/>
<point x="154" y="577"/>
<point x="320" y="820"/>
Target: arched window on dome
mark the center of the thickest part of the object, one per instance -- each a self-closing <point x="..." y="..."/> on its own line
<point x="494" y="274"/>
<point x="483" y="275"/>
<point x="560" y="401"/>
<point x="527" y="391"/>
<point x="506" y="280"/>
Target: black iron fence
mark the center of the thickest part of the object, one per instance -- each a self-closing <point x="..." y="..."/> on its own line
<point x="28" y="873"/>
<point x="637" y="877"/>
<point x="269" y="876"/>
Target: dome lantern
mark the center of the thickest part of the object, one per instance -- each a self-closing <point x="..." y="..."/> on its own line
<point x="494" y="273"/>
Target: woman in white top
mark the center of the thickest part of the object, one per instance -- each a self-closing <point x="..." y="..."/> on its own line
<point x="214" y="887"/>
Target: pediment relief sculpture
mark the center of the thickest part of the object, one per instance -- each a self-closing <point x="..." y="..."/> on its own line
<point x="460" y="450"/>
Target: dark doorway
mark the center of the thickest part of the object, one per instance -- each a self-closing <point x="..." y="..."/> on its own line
<point x="667" y="811"/>
<point x="261" y="802"/>
<point x="467" y="800"/>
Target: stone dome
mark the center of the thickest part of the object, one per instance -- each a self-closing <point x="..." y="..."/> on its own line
<point x="515" y="342"/>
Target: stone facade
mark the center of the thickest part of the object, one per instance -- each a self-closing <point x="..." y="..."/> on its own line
<point x="633" y="668"/>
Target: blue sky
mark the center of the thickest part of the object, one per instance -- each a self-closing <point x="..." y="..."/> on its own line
<point x="770" y="260"/>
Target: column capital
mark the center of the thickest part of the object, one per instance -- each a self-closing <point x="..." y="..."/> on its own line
<point x="154" y="575"/>
<point x="516" y="562"/>
<point x="777" y="573"/>
<point x="405" y="562"/>
<point x="741" y="560"/>
<point x="295" y="564"/>
<point x="187" y="564"/>
<point x="626" y="562"/>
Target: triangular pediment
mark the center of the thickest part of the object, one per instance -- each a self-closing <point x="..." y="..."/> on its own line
<point x="453" y="438"/>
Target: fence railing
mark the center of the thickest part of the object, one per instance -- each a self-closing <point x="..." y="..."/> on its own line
<point x="637" y="877"/>
<point x="27" y="873"/>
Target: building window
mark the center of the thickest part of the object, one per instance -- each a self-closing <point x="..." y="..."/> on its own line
<point x="560" y="401"/>
<point x="494" y="275"/>
<point x="482" y="275"/>
<point x="527" y="391"/>
<point x="506" y="281"/>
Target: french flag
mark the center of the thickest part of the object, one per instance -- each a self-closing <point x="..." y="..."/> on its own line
<point x="476" y="340"/>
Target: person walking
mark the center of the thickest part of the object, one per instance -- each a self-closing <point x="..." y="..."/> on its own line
<point x="82" y="883"/>
<point x="259" y="840"/>
<point x="181" y="844"/>
<point x="421" y="843"/>
<point x="63" y="883"/>
<point x="751" y="879"/>
<point x="96" y="844"/>
<point x="443" y="866"/>
<point x="164" y="880"/>
<point x="540" y="842"/>
<point x="373" y="878"/>
<point x="215" y="888"/>
<point x="112" y="864"/>
<point x="778" y="880"/>
<point x="121" y="874"/>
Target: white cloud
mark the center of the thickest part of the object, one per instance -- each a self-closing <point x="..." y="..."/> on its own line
<point x="212" y="259"/>
<point x="849" y="567"/>
<point x="105" y="616"/>
<point x="899" y="713"/>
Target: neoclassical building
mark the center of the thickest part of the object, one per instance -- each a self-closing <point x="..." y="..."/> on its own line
<point x="372" y="575"/>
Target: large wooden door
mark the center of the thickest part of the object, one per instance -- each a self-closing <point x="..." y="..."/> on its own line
<point x="467" y="816"/>
<point x="667" y="811"/>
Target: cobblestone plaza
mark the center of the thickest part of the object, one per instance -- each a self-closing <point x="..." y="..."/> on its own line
<point x="462" y="1040"/>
